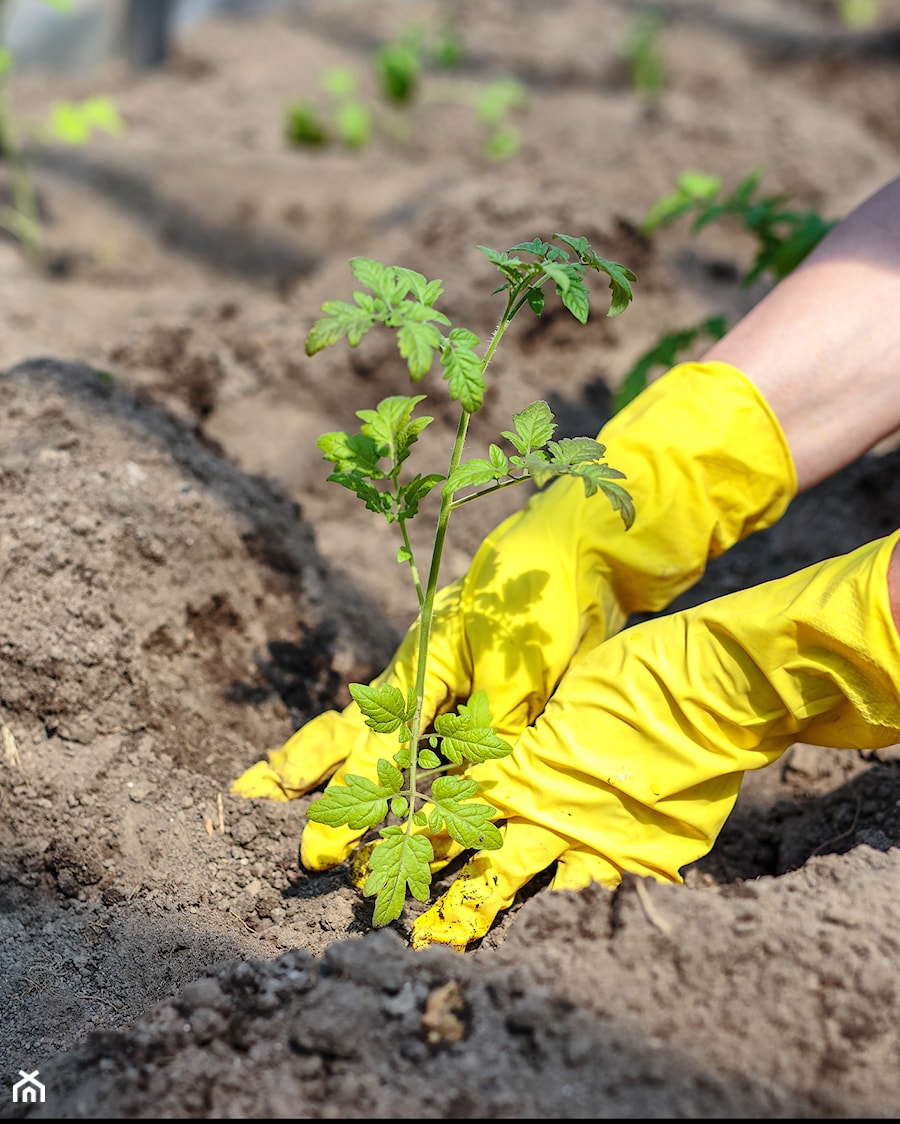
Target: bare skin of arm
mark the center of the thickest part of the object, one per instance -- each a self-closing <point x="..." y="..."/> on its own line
<point x="823" y="347"/>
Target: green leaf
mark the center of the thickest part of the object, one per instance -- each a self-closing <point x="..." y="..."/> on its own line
<point x="417" y="344"/>
<point x="469" y="824"/>
<point x="471" y="473"/>
<point x="399" y="860"/>
<point x="358" y="452"/>
<point x="464" y="372"/>
<point x="620" y="279"/>
<point x="534" y="427"/>
<point x="536" y="246"/>
<point x="370" y="273"/>
<point x="535" y="298"/>
<point x="358" y="803"/>
<point x="693" y="188"/>
<point x="412" y="494"/>
<point x="576" y="299"/>
<point x="463" y="741"/>
<point x="379" y="502"/>
<point x="390" y="419"/>
<point x="384" y="707"/>
<point x="341" y="319"/>
<point x="74" y="122"/>
<point x="468" y="735"/>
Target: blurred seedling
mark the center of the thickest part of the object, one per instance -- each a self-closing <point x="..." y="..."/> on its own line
<point x="784" y="237"/>
<point x="400" y="68"/>
<point x="70" y="123"/>
<point x="345" y="117"/>
<point x="643" y="55"/>
<point x="421" y="785"/>
<point x="859" y="14"/>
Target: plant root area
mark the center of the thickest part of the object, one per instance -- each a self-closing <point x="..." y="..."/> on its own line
<point x="182" y="588"/>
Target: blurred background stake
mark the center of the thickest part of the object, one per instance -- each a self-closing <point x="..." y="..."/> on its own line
<point x="147" y="31"/>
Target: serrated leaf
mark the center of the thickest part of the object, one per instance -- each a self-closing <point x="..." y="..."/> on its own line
<point x="469" y="824"/>
<point x="575" y="450"/>
<point x="418" y="344"/>
<point x="477" y="708"/>
<point x="379" y="502"/>
<point x="576" y="298"/>
<point x="399" y="860"/>
<point x="358" y="803"/>
<point x="369" y="272"/>
<point x="389" y="417"/>
<point x="536" y="246"/>
<point x="462" y="337"/>
<point x="462" y="741"/>
<point x="471" y="473"/>
<point x="534" y="427"/>
<point x="498" y="459"/>
<point x="463" y="371"/>
<point x="620" y="279"/>
<point x="412" y="494"/>
<point x="384" y="707"/>
<point x="328" y="330"/>
<point x="356" y="451"/>
<point x="561" y="275"/>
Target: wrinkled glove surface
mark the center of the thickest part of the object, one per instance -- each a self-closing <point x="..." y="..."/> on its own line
<point x="637" y="759"/>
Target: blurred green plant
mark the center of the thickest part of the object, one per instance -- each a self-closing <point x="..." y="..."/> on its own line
<point x="346" y="116"/>
<point x="784" y="237"/>
<point x="859" y="13"/>
<point x="71" y="123"/>
<point x="492" y="106"/>
<point x="400" y="69"/>
<point x="642" y="53"/>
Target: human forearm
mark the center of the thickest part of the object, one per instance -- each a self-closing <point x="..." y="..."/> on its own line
<point x="823" y="346"/>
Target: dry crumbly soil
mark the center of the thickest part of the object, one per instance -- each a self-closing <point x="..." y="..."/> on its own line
<point x="182" y="588"/>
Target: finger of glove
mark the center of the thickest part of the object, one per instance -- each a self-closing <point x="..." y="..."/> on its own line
<point x="578" y="868"/>
<point x="260" y="781"/>
<point x="486" y="885"/>
<point x="306" y="759"/>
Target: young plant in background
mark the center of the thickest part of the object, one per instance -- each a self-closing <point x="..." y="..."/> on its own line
<point x="784" y="237"/>
<point x="71" y="123"/>
<point x="492" y="107"/>
<point x="373" y="464"/>
<point x="643" y="55"/>
<point x="346" y="117"/>
<point x="401" y="70"/>
<point x="859" y="13"/>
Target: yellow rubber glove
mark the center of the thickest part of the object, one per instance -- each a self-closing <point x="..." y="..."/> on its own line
<point x="706" y="464"/>
<point x="636" y="761"/>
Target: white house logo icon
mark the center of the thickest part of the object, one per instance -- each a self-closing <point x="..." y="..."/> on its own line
<point x="29" y="1090"/>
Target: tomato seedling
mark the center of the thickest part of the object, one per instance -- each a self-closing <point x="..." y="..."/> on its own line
<point x="424" y="773"/>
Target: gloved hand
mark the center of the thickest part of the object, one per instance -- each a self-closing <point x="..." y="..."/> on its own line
<point x="637" y="759"/>
<point x="705" y="462"/>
